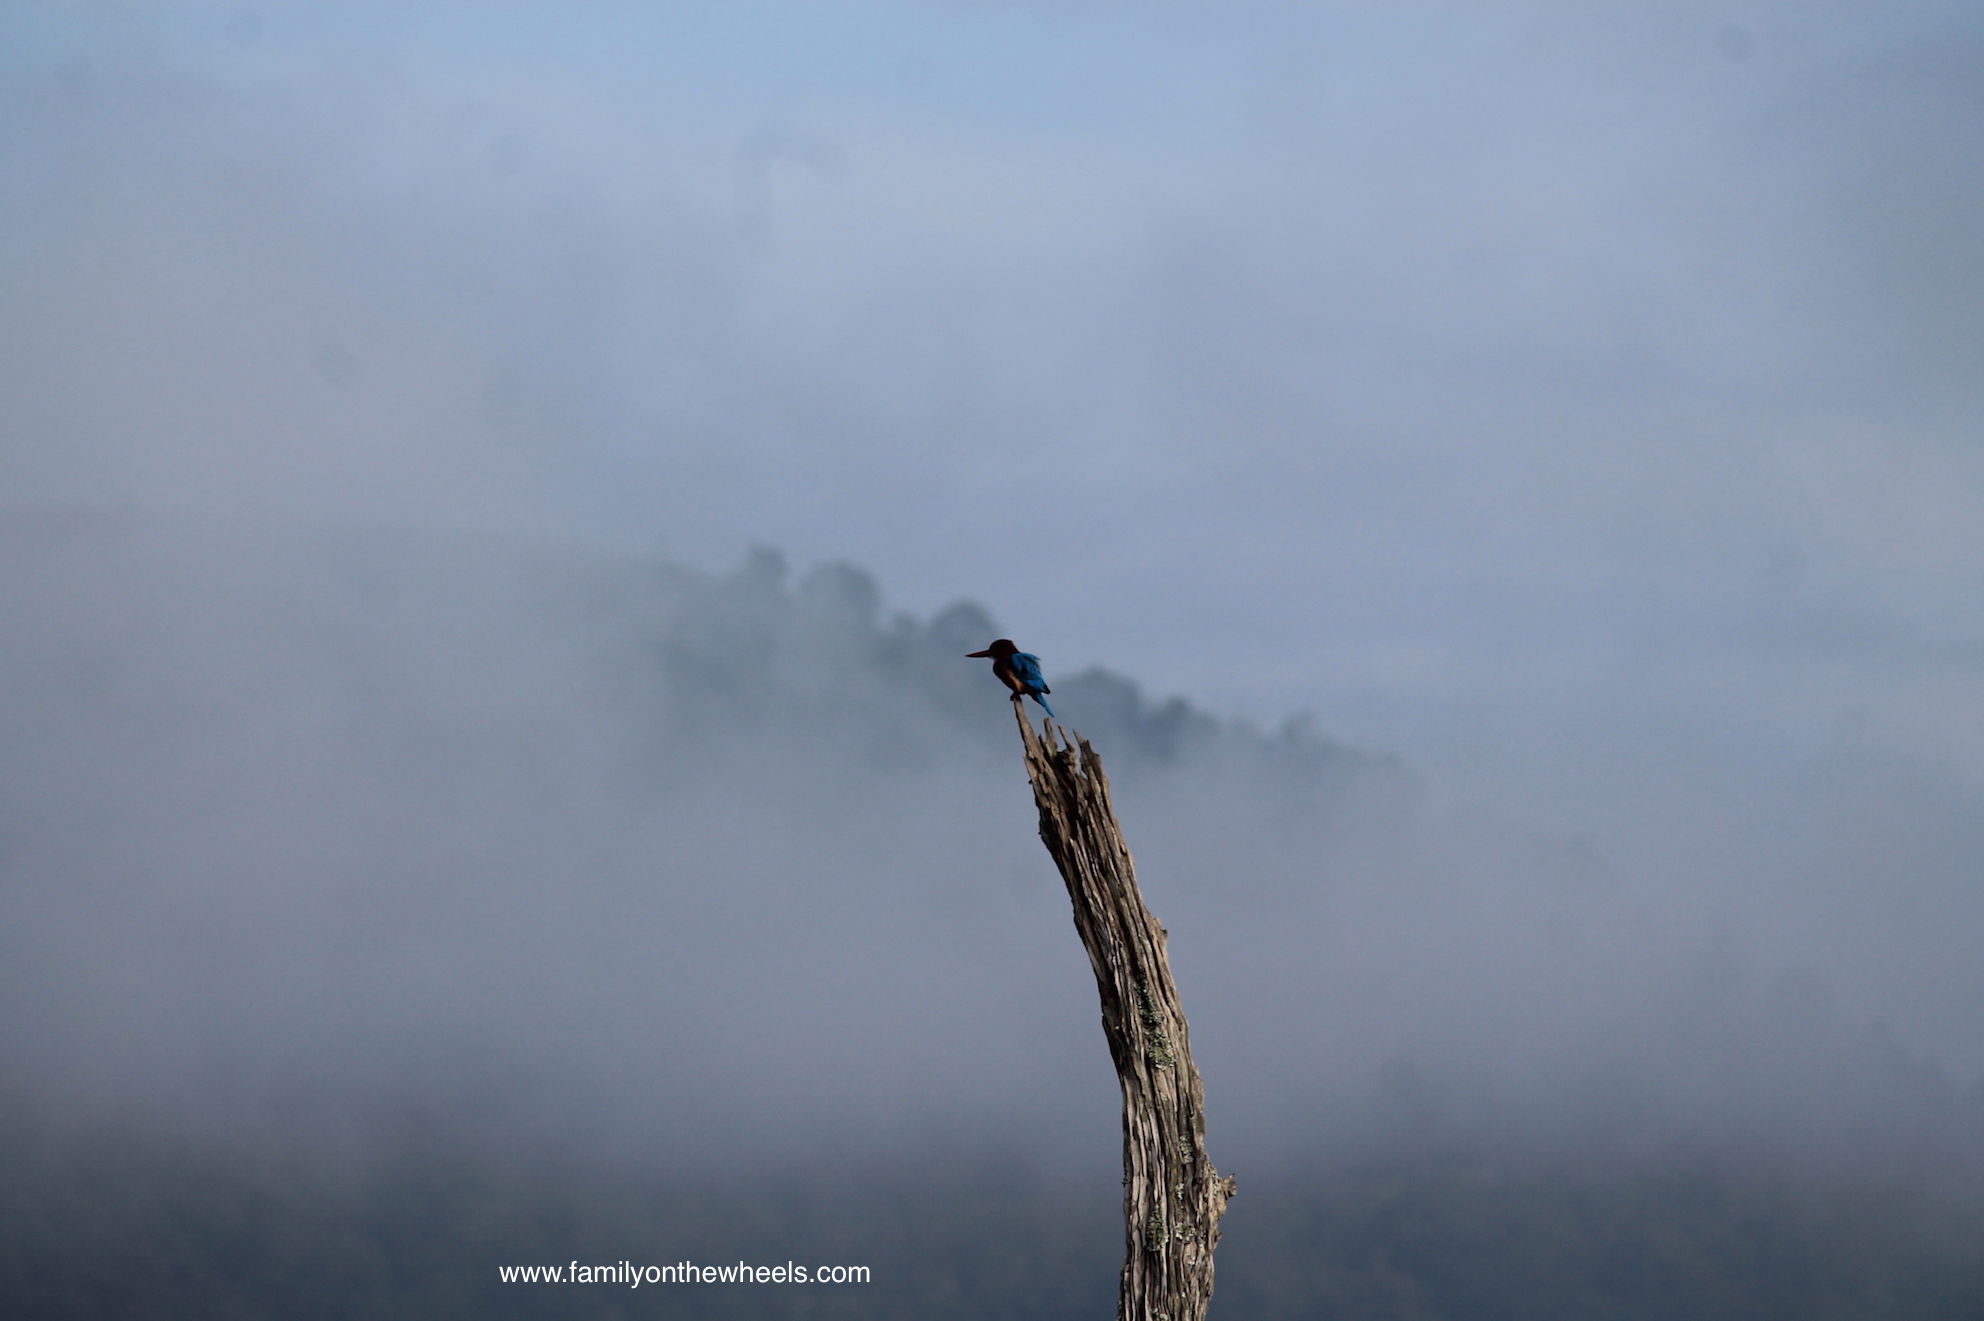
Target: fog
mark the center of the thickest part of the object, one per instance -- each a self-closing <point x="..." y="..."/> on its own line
<point x="493" y="506"/>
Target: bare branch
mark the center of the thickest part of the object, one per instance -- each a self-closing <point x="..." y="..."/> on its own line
<point x="1173" y="1198"/>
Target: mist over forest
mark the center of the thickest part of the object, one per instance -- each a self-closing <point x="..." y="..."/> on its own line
<point x="360" y="869"/>
<point x="493" y="508"/>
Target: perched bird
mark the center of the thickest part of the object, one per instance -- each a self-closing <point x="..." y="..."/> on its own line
<point x="1018" y="670"/>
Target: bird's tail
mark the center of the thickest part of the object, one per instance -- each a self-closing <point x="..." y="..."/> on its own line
<point x="1043" y="704"/>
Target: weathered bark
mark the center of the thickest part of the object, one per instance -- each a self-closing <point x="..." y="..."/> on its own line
<point x="1172" y="1197"/>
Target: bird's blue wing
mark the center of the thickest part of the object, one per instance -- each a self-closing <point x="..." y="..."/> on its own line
<point x="1027" y="666"/>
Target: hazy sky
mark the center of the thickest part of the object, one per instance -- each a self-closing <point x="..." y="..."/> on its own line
<point x="1443" y="371"/>
<point x="1581" y="400"/>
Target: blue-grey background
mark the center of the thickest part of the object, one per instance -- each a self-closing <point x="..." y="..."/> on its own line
<point x="493" y="500"/>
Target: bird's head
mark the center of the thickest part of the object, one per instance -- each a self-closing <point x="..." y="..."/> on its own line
<point x="1003" y="647"/>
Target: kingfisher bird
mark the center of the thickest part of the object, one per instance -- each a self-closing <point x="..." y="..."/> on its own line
<point x="1018" y="670"/>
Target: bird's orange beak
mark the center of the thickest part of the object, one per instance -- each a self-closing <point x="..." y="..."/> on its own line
<point x="974" y="655"/>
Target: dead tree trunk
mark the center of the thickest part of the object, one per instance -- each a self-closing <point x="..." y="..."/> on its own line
<point x="1172" y="1197"/>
